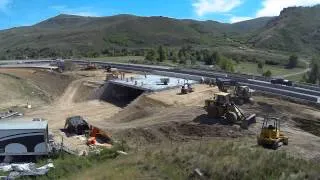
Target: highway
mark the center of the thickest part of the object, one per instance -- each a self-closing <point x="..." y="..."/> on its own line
<point x="298" y="91"/>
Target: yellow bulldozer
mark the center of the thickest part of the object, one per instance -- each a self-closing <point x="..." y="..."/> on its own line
<point x="222" y="107"/>
<point x="270" y="135"/>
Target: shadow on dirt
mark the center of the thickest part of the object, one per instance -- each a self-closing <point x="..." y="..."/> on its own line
<point x="266" y="108"/>
<point x="311" y="126"/>
<point x="205" y="119"/>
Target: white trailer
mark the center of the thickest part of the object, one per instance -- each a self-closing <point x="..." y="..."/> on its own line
<point x="20" y="138"/>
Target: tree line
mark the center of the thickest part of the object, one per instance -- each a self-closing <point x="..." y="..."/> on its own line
<point x="189" y="55"/>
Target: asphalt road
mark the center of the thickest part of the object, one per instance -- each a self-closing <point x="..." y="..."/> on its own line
<point x="303" y="92"/>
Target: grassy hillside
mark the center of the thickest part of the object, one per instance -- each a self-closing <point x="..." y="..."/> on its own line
<point x="72" y="35"/>
<point x="216" y="159"/>
<point x="296" y="29"/>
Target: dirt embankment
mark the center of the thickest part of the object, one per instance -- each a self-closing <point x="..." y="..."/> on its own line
<point x="51" y="84"/>
<point x="34" y="86"/>
<point x="149" y="104"/>
<point x="66" y="106"/>
<point x="15" y="92"/>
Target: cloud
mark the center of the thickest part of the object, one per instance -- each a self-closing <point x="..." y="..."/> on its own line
<point x="274" y="7"/>
<point x="203" y="7"/>
<point x="4" y="5"/>
<point x="80" y="11"/>
<point x="236" y="19"/>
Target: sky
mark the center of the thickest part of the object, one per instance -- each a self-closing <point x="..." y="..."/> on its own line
<point x="14" y="13"/>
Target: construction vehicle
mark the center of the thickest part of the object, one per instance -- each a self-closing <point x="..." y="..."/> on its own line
<point x="225" y="84"/>
<point x="239" y="94"/>
<point x="242" y="94"/>
<point x="90" y="66"/>
<point x="76" y="125"/>
<point x="96" y="133"/>
<point x="108" y="68"/>
<point x="221" y="106"/>
<point x="270" y="135"/>
<point x="164" y="81"/>
<point x="186" y="88"/>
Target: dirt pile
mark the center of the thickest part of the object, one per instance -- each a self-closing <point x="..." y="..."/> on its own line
<point x="150" y="104"/>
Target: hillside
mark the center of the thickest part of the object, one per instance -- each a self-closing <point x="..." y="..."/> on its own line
<point x="296" y="29"/>
<point x="74" y="34"/>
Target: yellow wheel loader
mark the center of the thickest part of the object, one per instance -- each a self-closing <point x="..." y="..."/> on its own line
<point x="270" y="135"/>
<point x="222" y="107"/>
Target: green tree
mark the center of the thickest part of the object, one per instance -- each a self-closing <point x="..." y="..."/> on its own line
<point x="91" y="54"/>
<point x="151" y="55"/>
<point x="199" y="56"/>
<point x="212" y="59"/>
<point x="267" y="74"/>
<point x="3" y="57"/>
<point x="193" y="60"/>
<point x="216" y="57"/>
<point x="174" y="56"/>
<point x="124" y="52"/>
<point x="226" y="64"/>
<point x="293" y="61"/>
<point x="209" y="60"/>
<point x="162" y="54"/>
<point x="314" y="74"/>
<point x="260" y="67"/>
<point x="181" y="55"/>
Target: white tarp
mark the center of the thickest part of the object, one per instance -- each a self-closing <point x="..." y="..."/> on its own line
<point x="25" y="169"/>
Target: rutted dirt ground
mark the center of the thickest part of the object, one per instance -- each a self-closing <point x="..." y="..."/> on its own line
<point x="167" y="116"/>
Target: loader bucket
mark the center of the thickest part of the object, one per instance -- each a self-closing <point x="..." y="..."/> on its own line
<point x="249" y="120"/>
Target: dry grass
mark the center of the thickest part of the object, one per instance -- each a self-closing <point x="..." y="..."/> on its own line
<point x="217" y="159"/>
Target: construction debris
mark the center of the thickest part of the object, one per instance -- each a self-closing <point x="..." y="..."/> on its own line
<point x="9" y="114"/>
<point x="122" y="152"/>
<point x="25" y="169"/>
<point x="198" y="172"/>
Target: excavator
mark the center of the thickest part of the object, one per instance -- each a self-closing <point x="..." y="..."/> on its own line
<point x="239" y="94"/>
<point x="221" y="106"/>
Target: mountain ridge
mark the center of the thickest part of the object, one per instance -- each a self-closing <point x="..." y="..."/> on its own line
<point x="69" y="33"/>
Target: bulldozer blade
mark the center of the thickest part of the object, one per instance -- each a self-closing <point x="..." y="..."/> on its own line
<point x="249" y="120"/>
